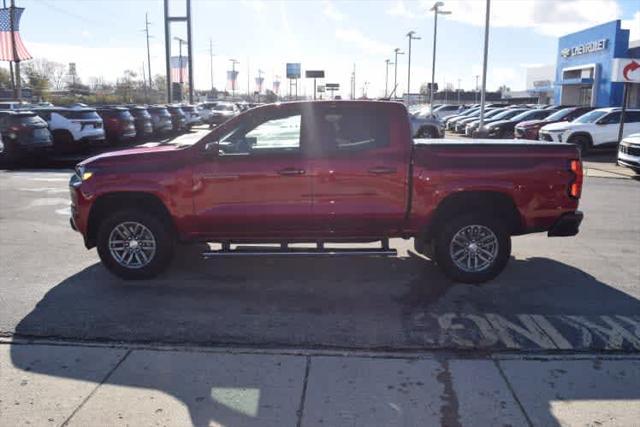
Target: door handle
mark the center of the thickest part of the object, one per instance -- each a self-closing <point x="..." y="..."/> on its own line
<point x="381" y="170"/>
<point x="291" y="171"/>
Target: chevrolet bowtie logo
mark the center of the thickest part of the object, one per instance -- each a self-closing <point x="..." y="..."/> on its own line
<point x="566" y="52"/>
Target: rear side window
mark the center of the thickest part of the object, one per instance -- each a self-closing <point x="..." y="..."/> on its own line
<point x="160" y="112"/>
<point x="610" y="119"/>
<point x="351" y="129"/>
<point x="632" y="117"/>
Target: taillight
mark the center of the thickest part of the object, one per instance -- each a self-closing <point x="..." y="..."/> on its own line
<point x="575" y="186"/>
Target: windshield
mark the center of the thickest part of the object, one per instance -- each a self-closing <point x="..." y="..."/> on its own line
<point x="140" y="113"/>
<point x="222" y="107"/>
<point x="507" y="114"/>
<point x="80" y="115"/>
<point x="525" y="115"/>
<point x="560" y="114"/>
<point x="590" y="117"/>
<point x="160" y="112"/>
<point x="28" y="119"/>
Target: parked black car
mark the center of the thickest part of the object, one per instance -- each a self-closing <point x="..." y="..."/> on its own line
<point x="505" y="128"/>
<point x="178" y="118"/>
<point x="23" y="133"/>
<point x="161" y="119"/>
<point x="142" y="121"/>
<point x="119" y="124"/>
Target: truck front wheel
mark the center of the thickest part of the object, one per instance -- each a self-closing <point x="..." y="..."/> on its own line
<point x="134" y="244"/>
<point x="472" y="248"/>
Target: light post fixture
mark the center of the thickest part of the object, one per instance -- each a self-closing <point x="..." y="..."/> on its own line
<point x="436" y="11"/>
<point x="386" y="77"/>
<point x="484" y="63"/>
<point x="395" y="72"/>
<point x="233" y="76"/>
<point x="411" y="35"/>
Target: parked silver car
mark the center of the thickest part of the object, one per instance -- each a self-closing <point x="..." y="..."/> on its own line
<point x="426" y="125"/>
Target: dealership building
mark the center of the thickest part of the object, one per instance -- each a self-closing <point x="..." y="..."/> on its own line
<point x="592" y="64"/>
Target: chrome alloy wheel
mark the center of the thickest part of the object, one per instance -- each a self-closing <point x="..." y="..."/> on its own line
<point x="132" y="244"/>
<point x="474" y="248"/>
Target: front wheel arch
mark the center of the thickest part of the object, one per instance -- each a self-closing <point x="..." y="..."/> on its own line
<point x="109" y="203"/>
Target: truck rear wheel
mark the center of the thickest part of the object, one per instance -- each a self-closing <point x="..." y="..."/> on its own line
<point x="472" y="248"/>
<point x="134" y="244"/>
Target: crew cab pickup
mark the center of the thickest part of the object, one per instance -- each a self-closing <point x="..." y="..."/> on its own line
<point x="322" y="173"/>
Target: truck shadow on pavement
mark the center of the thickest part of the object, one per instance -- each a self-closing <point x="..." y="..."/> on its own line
<point x="395" y="304"/>
<point x="352" y="303"/>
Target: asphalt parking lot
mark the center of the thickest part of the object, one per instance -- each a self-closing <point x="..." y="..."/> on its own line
<point x="578" y="294"/>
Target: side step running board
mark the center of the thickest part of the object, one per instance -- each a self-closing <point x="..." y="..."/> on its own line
<point x="287" y="251"/>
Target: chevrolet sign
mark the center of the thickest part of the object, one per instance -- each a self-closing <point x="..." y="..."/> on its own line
<point x="581" y="49"/>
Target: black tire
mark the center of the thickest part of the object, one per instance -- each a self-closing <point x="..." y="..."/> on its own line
<point x="443" y="240"/>
<point x="582" y="142"/>
<point x="426" y="132"/>
<point x="161" y="232"/>
<point x="10" y="156"/>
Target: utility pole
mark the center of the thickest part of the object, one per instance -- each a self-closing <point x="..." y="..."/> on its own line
<point x="146" y="30"/>
<point x="395" y="72"/>
<point x="458" y="91"/>
<point x="248" y="82"/>
<point x="411" y="36"/>
<point x="211" y="62"/>
<point x="144" y="83"/>
<point x="386" y="77"/>
<point x="353" y="82"/>
<point x="18" y="84"/>
<point x="484" y="64"/>
<point x="436" y="11"/>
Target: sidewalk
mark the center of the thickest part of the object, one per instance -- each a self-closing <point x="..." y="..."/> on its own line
<point x="44" y="384"/>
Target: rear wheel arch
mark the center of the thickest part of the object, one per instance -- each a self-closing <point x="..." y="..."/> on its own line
<point x="109" y="204"/>
<point x="494" y="203"/>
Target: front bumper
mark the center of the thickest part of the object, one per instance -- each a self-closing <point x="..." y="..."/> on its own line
<point x="567" y="225"/>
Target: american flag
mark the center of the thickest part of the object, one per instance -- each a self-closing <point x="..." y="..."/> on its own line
<point x="179" y="72"/>
<point x="232" y="77"/>
<point x="6" y="38"/>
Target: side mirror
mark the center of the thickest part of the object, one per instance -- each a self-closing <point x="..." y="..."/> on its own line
<point x="211" y="148"/>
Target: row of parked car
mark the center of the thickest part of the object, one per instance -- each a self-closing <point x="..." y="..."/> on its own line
<point x="32" y="130"/>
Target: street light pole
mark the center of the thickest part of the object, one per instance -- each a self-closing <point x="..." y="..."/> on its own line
<point x="395" y="72"/>
<point x="211" y="62"/>
<point x="436" y="11"/>
<point x="475" y="97"/>
<point x="411" y="36"/>
<point x="233" y="77"/>
<point x="386" y="77"/>
<point x="484" y="64"/>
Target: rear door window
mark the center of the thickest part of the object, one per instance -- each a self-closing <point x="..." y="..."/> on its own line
<point x="348" y="129"/>
<point x="80" y="115"/>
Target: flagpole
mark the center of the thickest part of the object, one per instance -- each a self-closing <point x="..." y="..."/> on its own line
<point x="17" y="86"/>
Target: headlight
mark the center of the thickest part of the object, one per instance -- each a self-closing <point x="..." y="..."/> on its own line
<point x="83" y="173"/>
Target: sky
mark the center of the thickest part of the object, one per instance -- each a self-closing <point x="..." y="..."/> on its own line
<point x="106" y="37"/>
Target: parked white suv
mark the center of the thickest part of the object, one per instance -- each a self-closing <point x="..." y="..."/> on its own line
<point x="595" y="129"/>
<point x="629" y="152"/>
<point x="72" y="127"/>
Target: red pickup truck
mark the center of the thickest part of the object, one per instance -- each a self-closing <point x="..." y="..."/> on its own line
<point x="325" y="172"/>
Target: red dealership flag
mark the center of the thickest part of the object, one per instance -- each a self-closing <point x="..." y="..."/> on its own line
<point x="7" y="51"/>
